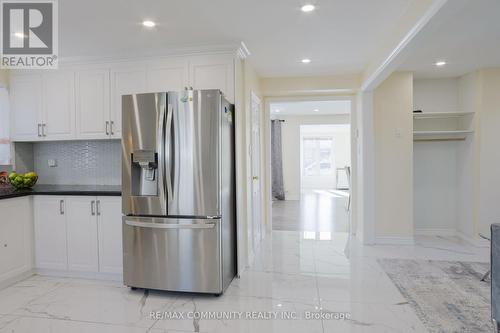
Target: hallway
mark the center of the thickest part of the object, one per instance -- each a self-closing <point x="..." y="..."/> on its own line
<point x="316" y="211"/>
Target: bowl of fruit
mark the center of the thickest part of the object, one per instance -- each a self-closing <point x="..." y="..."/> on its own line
<point x="23" y="181"/>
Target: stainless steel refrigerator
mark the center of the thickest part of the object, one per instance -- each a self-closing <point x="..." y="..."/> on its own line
<point x="178" y="179"/>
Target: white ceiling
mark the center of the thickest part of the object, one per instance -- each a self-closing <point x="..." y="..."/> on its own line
<point x="307" y="108"/>
<point x="465" y="33"/>
<point x="339" y="37"/>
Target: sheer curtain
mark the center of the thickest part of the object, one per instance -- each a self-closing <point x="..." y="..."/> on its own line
<point x="4" y="127"/>
<point x="278" y="190"/>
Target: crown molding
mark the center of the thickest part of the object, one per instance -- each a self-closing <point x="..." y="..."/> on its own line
<point x="238" y="49"/>
<point x="243" y="51"/>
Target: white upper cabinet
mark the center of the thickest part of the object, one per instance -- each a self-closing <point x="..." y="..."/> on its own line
<point x="58" y="105"/>
<point x="167" y="75"/>
<point x="213" y="72"/>
<point x="26" y="107"/>
<point x="43" y="106"/>
<point x="85" y="102"/>
<point x="92" y="104"/>
<point x="126" y="80"/>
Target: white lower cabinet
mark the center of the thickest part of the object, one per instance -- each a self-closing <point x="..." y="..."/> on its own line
<point x="109" y="224"/>
<point x="78" y="234"/>
<point x="50" y="233"/>
<point x="81" y="232"/>
<point x="16" y="238"/>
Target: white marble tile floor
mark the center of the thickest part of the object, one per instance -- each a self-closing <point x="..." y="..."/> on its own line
<point x="294" y="274"/>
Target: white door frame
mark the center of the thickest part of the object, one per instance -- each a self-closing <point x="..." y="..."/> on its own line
<point x="267" y="144"/>
<point x="254" y="99"/>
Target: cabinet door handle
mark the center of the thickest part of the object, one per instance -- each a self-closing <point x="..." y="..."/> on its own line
<point x="107" y="127"/>
<point x="43" y="129"/>
<point x="39" y="130"/>
<point x="61" y="207"/>
<point x="92" y="207"/>
<point x="98" y="205"/>
<point x="111" y="127"/>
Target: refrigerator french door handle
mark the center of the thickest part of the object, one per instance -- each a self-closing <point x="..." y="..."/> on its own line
<point x="170" y="225"/>
<point x="168" y="154"/>
<point x="160" y="138"/>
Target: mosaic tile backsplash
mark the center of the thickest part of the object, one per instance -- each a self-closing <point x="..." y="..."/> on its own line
<point x="79" y="162"/>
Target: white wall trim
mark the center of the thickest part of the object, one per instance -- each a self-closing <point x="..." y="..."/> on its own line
<point x="266" y="155"/>
<point x="367" y="160"/>
<point x="240" y="163"/>
<point x="394" y="240"/>
<point x="314" y="93"/>
<point x="435" y="232"/>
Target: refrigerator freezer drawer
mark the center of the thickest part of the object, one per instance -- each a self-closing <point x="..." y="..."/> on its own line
<point x="172" y="254"/>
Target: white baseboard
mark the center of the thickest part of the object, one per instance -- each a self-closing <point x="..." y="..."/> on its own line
<point x="14" y="279"/>
<point x="55" y="273"/>
<point x="478" y="242"/>
<point x="81" y="275"/>
<point x="435" y="232"/>
<point x="394" y="240"/>
<point x="450" y="232"/>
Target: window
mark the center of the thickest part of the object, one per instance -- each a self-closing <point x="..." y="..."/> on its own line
<point x="317" y="156"/>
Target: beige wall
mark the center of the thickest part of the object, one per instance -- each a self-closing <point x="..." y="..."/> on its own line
<point x="315" y="85"/>
<point x="291" y="152"/>
<point x="478" y="166"/>
<point x="393" y="128"/>
<point x="489" y="153"/>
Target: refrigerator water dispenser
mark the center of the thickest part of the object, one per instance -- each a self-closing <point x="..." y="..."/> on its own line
<point x="144" y="173"/>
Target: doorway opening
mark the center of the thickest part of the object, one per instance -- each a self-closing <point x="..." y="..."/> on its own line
<point x="310" y="166"/>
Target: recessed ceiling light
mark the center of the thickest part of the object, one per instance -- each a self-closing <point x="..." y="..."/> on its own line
<point x="307" y="8"/>
<point x="148" y="23"/>
<point x="440" y="63"/>
<point x="19" y="35"/>
<point x="315" y="110"/>
<point x="277" y="111"/>
<point x="306" y="60"/>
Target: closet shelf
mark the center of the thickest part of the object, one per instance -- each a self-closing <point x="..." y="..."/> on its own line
<point x="440" y="135"/>
<point x="441" y="115"/>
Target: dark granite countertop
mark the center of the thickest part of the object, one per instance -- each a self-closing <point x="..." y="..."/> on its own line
<point x="93" y="190"/>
